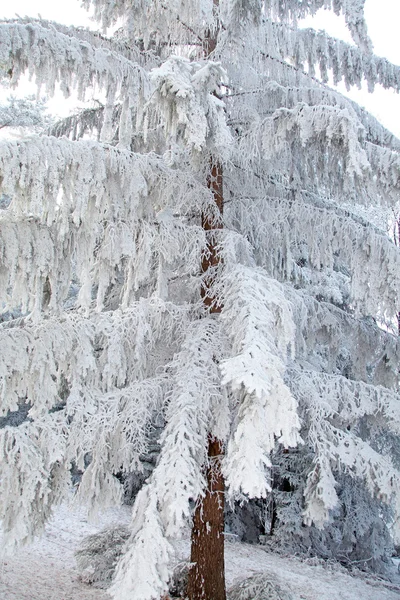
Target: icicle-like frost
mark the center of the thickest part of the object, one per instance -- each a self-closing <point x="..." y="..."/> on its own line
<point x="329" y="339"/>
<point x="67" y="349"/>
<point x="143" y="20"/>
<point x="187" y="97"/>
<point x="259" y="317"/>
<point x="157" y="20"/>
<point x="272" y="95"/>
<point x="94" y="38"/>
<point x="162" y="507"/>
<point x="82" y="209"/>
<point x="53" y="57"/>
<point x="326" y="123"/>
<point x="311" y="49"/>
<point x="360" y="263"/>
<point x="34" y="476"/>
<point x="332" y="402"/>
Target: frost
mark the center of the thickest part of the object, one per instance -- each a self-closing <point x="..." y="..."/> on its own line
<point x="259" y="317"/>
<point x="74" y="206"/>
<point x="55" y="58"/>
<point x="187" y="94"/>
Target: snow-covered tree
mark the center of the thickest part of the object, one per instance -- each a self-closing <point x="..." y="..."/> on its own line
<point x="24" y="112"/>
<point x="205" y="257"/>
<point x="27" y="112"/>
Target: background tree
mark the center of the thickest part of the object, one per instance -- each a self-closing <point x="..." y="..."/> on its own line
<point x="101" y="250"/>
<point x="26" y="112"/>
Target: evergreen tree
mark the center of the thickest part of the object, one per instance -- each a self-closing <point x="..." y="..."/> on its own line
<point x="205" y="256"/>
<point x="27" y="112"/>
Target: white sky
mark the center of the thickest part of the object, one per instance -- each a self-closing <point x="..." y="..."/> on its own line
<point x="383" y="18"/>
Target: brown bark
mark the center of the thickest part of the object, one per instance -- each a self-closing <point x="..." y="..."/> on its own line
<point x="207" y="575"/>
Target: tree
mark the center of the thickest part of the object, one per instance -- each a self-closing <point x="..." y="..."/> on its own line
<point x="27" y="112"/>
<point x="208" y="259"/>
<point x="24" y="112"/>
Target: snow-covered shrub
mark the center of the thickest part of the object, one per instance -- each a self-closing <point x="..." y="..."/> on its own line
<point x="177" y="587"/>
<point x="356" y="535"/>
<point x="98" y="554"/>
<point x="261" y="586"/>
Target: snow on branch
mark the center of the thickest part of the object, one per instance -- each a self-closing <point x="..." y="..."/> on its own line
<point x="352" y="10"/>
<point x="67" y="350"/>
<point x="85" y="121"/>
<point x="317" y="49"/>
<point x="37" y="277"/>
<point x="385" y="165"/>
<point x="332" y="406"/>
<point x="91" y="384"/>
<point x="331" y="340"/>
<point x="35" y="266"/>
<point x="53" y="57"/>
<point x="89" y="211"/>
<point x="34" y="476"/>
<point x="116" y="437"/>
<point x="297" y="228"/>
<point x="187" y="96"/>
<point x="345" y="401"/>
<point x="162" y="507"/>
<point x="94" y="38"/>
<point x="195" y="388"/>
<point x="327" y="126"/>
<point x="56" y="179"/>
<point x="180" y="21"/>
<point x="271" y="95"/>
<point x="259" y="320"/>
<point x="196" y="16"/>
<point x="143" y="572"/>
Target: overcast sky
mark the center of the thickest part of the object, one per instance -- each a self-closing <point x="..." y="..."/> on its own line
<point x="383" y="18"/>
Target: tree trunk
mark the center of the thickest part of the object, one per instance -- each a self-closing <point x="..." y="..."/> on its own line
<point x="207" y="574"/>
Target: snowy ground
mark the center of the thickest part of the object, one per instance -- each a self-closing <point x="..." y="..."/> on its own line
<point x="46" y="569"/>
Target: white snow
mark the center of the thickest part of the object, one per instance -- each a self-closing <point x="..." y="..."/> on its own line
<point x="46" y="569"/>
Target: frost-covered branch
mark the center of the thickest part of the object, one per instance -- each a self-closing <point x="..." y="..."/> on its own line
<point x="341" y="449"/>
<point x="318" y="49"/>
<point x="178" y="476"/>
<point x="272" y="95"/>
<point x="93" y="387"/>
<point x="82" y="218"/>
<point x="187" y="96"/>
<point x="294" y="226"/>
<point x="94" y="38"/>
<point x="53" y="57"/>
<point x="259" y="321"/>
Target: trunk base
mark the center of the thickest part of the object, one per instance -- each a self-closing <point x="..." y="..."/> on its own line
<point x="207" y="575"/>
